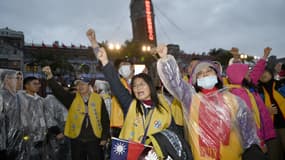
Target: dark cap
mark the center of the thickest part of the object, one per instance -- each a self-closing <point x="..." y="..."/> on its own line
<point x="83" y="79"/>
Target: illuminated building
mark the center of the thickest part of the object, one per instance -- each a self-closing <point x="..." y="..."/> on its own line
<point x="143" y="25"/>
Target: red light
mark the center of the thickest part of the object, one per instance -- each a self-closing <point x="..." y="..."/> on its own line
<point x="149" y="20"/>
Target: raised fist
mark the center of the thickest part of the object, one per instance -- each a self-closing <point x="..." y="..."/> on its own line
<point x="47" y="71"/>
<point x="267" y="51"/>
<point x="161" y="50"/>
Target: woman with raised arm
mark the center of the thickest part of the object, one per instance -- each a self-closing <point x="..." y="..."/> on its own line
<point x="147" y="117"/>
<point x="219" y="125"/>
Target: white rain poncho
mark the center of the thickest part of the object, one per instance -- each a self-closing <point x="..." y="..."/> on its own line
<point x="35" y="120"/>
<point x="218" y="125"/>
<point x="57" y="149"/>
<point x="103" y="88"/>
<point x="10" y="134"/>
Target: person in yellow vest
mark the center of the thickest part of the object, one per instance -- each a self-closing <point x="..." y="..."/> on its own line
<point x="87" y="123"/>
<point x="275" y="102"/>
<point x="176" y="109"/>
<point x="145" y="114"/>
<point x="126" y="71"/>
<point x="219" y="125"/>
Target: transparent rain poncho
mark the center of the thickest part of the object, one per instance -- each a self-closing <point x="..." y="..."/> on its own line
<point x="10" y="134"/>
<point x="57" y="111"/>
<point x="56" y="148"/>
<point x="218" y="125"/>
<point x="35" y="120"/>
<point x="103" y="88"/>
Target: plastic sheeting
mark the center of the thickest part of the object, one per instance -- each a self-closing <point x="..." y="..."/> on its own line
<point x="103" y="88"/>
<point x="58" y="149"/>
<point x="57" y="111"/>
<point x="218" y="125"/>
<point x="10" y="137"/>
<point x="25" y="120"/>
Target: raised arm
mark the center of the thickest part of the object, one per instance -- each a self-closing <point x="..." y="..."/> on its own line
<point x="170" y="76"/>
<point x="122" y="94"/>
<point x="62" y="95"/>
<point x="258" y="69"/>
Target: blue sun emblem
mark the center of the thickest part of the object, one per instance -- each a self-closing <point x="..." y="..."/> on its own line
<point x="120" y="148"/>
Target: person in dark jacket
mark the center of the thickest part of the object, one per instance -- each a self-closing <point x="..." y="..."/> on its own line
<point x="87" y="123"/>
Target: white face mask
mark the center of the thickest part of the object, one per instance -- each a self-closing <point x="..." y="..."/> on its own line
<point x="207" y="82"/>
<point x="125" y="71"/>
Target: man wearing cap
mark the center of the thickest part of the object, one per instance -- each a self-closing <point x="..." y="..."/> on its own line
<point x="87" y="123"/>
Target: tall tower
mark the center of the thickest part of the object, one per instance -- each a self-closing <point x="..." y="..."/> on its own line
<point x="142" y="18"/>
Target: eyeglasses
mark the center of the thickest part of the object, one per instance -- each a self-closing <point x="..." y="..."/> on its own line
<point x="140" y="85"/>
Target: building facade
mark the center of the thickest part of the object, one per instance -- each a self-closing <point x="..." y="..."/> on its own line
<point x="11" y="49"/>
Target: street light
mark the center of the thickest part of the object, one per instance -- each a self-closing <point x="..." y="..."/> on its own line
<point x="256" y="57"/>
<point x="243" y="56"/>
<point x="113" y="46"/>
<point x="146" y="48"/>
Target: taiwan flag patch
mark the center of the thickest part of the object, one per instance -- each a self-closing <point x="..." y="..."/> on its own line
<point x="128" y="150"/>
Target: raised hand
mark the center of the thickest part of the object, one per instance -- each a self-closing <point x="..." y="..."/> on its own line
<point x="161" y="50"/>
<point x="92" y="37"/>
<point x="47" y="71"/>
<point x="102" y="56"/>
<point x="267" y="51"/>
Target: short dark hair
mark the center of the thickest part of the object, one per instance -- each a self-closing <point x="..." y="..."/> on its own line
<point x="29" y="79"/>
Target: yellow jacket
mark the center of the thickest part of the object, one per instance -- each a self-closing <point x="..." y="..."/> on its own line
<point x="117" y="115"/>
<point x="76" y="116"/>
<point x="135" y="123"/>
<point x="280" y="100"/>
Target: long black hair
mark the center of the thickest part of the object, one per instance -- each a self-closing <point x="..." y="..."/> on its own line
<point x="153" y="93"/>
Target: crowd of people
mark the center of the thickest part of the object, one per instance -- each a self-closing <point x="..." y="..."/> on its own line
<point x="203" y="115"/>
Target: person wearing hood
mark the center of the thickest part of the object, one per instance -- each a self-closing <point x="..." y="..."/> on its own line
<point x="243" y="83"/>
<point x="35" y="121"/>
<point x="275" y="102"/>
<point x="102" y="87"/>
<point x="10" y="134"/>
<point x="219" y="125"/>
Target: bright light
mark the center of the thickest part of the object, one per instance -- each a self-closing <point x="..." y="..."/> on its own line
<point x="114" y="46"/>
<point x="139" y="68"/>
<point x="118" y="46"/>
<point x="143" y="48"/>
<point x="243" y="56"/>
<point x="111" y="46"/>
<point x="146" y="48"/>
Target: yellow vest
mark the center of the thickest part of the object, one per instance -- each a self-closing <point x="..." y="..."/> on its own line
<point x="117" y="115"/>
<point x="280" y="100"/>
<point x="135" y="123"/>
<point x="176" y="110"/>
<point x="76" y="116"/>
<point x="232" y="151"/>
